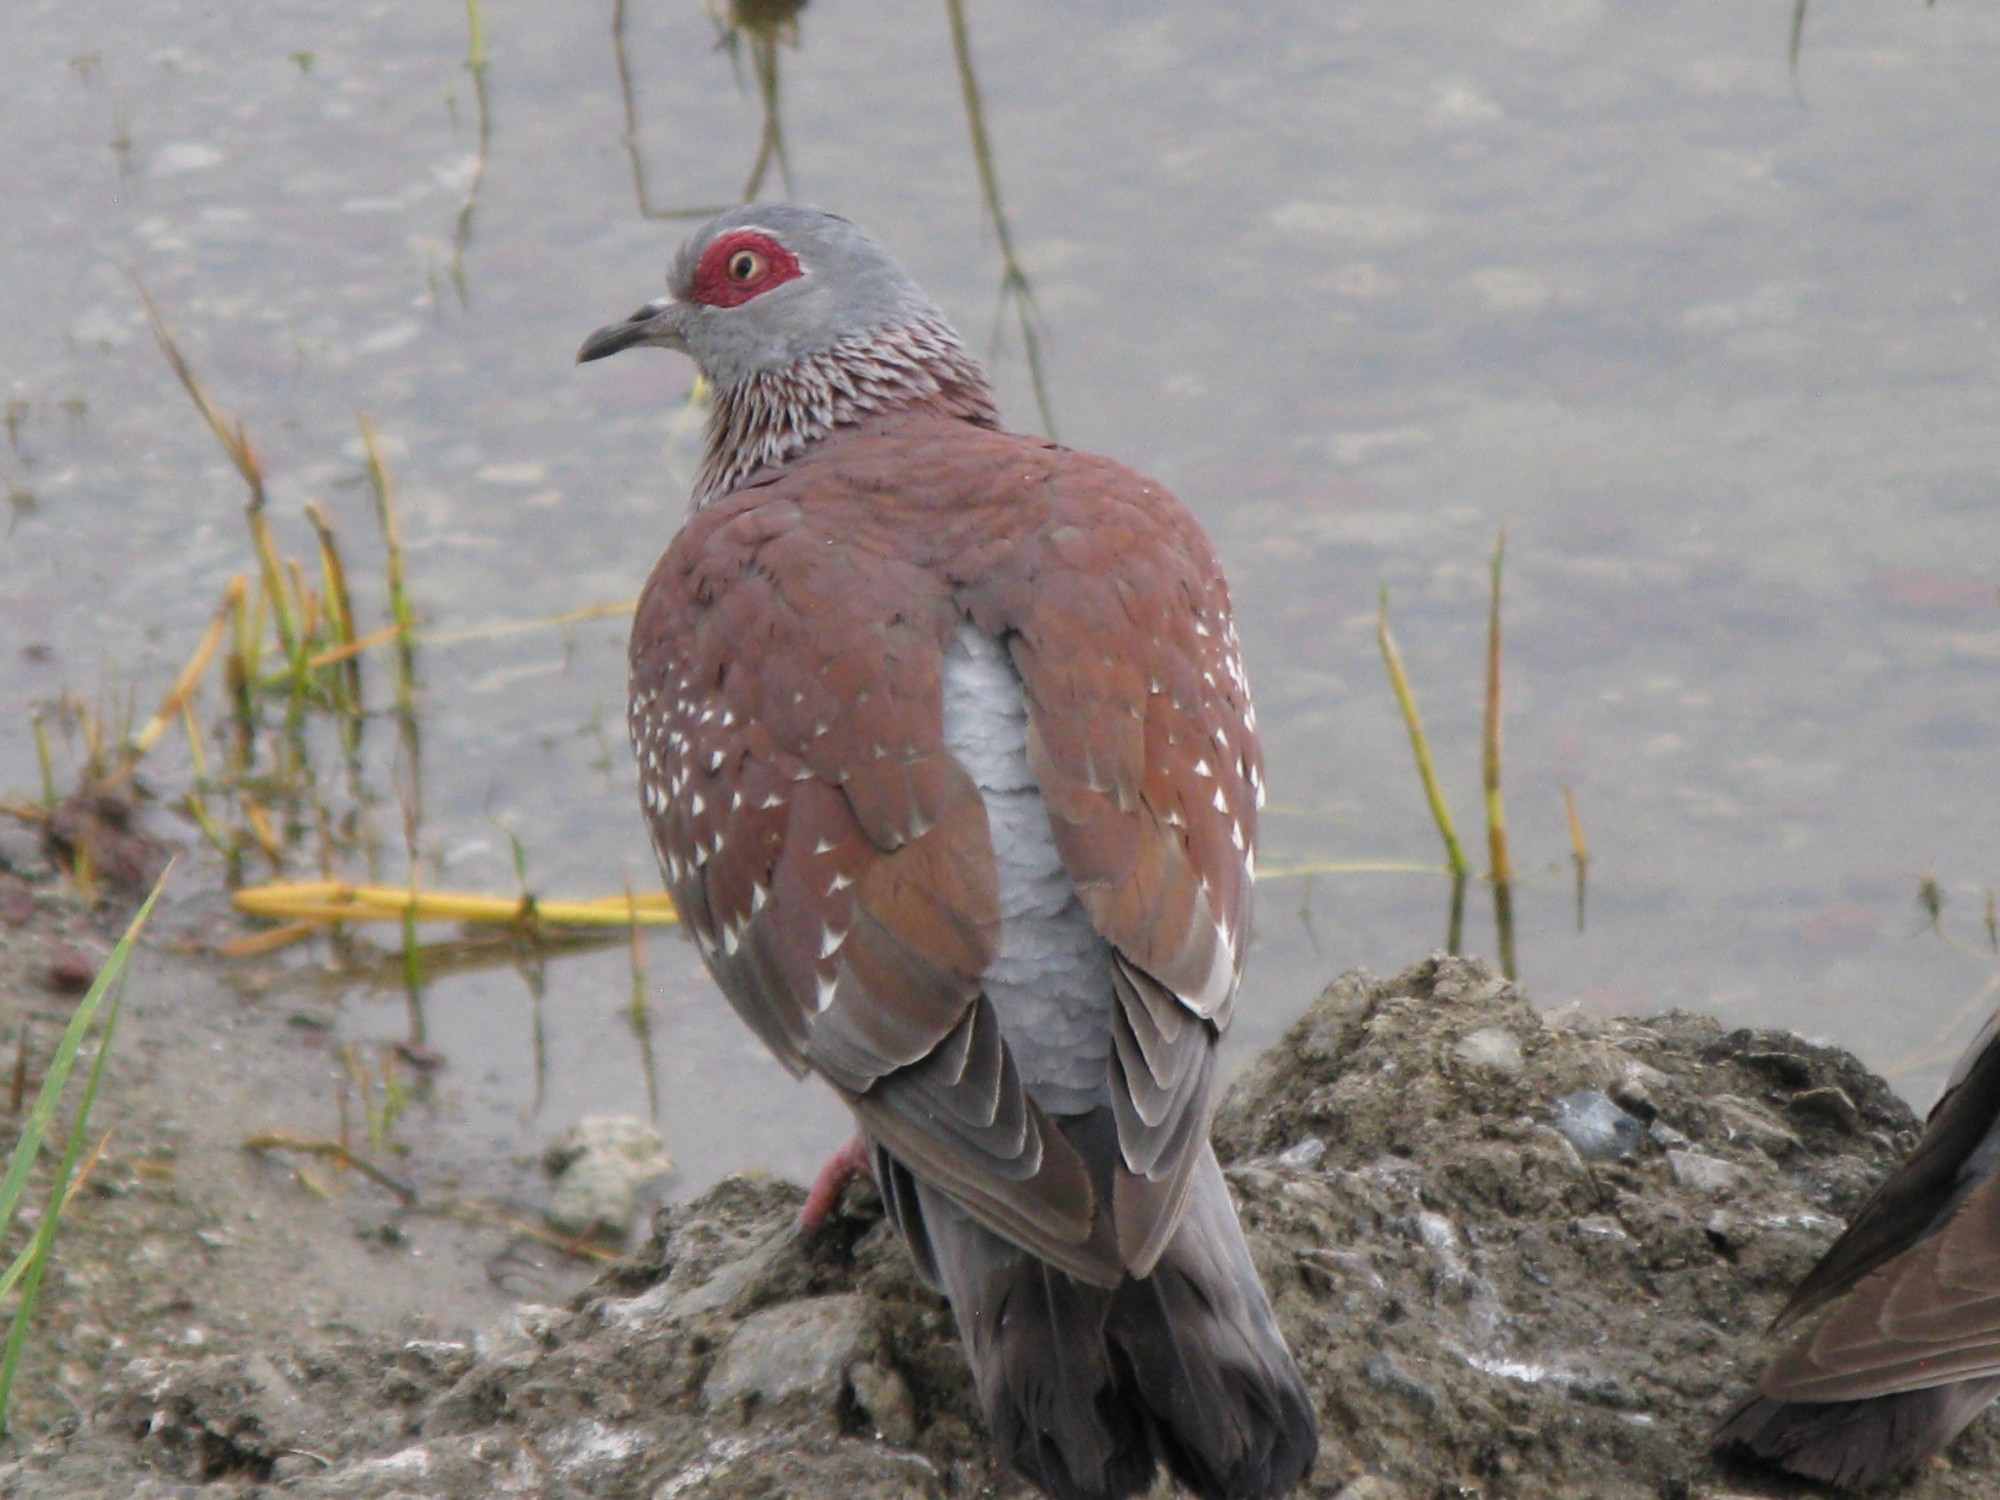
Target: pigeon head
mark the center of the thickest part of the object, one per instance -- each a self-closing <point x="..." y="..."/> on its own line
<point x="803" y="324"/>
<point x="760" y="288"/>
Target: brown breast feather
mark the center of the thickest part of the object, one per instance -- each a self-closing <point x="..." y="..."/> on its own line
<point x="833" y="860"/>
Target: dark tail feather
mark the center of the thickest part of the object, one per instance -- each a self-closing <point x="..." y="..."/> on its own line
<point x="1086" y="1390"/>
<point x="1233" y="1419"/>
<point x="1852" y="1444"/>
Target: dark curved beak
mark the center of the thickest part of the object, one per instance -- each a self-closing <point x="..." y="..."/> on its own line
<point x="657" y="323"/>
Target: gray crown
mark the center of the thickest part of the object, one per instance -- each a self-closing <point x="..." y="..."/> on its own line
<point x="849" y="289"/>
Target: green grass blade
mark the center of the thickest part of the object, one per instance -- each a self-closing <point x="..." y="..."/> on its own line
<point x="29" y="1267"/>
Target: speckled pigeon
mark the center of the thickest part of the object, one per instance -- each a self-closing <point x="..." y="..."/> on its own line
<point x="946" y="750"/>
<point x="1908" y="1351"/>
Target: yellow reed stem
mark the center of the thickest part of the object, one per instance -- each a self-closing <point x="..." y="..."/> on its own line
<point x="1496" y="812"/>
<point x="333" y="575"/>
<point x="1406" y="701"/>
<point x="303" y="596"/>
<point x="337" y="901"/>
<point x="1350" y="867"/>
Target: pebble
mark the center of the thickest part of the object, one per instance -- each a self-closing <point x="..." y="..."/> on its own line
<point x="792" y="1349"/>
<point x="21" y="848"/>
<point x="1705" y="1174"/>
<point x="1599" y="1129"/>
<point x="17" y="902"/>
<point x="885" y="1400"/>
<point x="1667" y="1138"/>
<point x="1382" y="1372"/>
<point x="600" y="1164"/>
<point x="1637" y="1090"/>
<point x="1601" y="1227"/>
<point x="71" y="971"/>
<point x="1304" y="1154"/>
<point x="1494" y="1048"/>
<point x="1830" y="1104"/>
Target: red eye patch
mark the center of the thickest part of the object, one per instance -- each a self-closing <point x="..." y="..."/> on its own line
<point x="742" y="264"/>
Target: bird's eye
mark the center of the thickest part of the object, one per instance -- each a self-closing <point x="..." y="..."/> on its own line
<point x="745" y="266"/>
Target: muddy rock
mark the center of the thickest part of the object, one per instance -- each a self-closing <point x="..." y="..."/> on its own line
<point x="1482" y="1311"/>
<point x="600" y="1165"/>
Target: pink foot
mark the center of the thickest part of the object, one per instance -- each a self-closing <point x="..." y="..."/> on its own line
<point x="841" y="1168"/>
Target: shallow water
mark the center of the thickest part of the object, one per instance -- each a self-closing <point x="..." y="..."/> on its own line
<point x="1360" y="283"/>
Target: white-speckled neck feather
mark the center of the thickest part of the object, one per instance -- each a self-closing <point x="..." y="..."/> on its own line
<point x="774" y="415"/>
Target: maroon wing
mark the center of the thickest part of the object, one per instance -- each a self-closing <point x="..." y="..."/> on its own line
<point x="1143" y="738"/>
<point x="831" y="858"/>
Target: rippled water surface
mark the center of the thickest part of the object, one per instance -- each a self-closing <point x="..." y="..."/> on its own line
<point x="1360" y="282"/>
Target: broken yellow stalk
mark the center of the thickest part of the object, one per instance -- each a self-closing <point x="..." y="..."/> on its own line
<point x="254" y="944"/>
<point x="337" y="901"/>
<point x="354" y="648"/>
<point x="191" y="674"/>
<point x="260" y="829"/>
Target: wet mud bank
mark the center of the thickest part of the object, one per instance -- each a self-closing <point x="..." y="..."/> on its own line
<point x="1517" y="1254"/>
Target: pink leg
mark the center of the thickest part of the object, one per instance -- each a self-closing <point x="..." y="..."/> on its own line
<point x="841" y="1168"/>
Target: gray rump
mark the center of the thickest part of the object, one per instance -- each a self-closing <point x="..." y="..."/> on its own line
<point x="1050" y="983"/>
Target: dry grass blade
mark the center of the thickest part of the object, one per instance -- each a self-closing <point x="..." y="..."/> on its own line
<point x="333" y="1151"/>
<point x="228" y="431"/>
<point x="235" y="439"/>
<point x="577" y="616"/>
<point x="467" y="1212"/>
